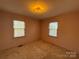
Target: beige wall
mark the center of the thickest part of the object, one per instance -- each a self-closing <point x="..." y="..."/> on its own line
<point x="6" y="30"/>
<point x="68" y="32"/>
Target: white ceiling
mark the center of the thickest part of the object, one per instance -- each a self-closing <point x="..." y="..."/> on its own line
<point x="56" y="7"/>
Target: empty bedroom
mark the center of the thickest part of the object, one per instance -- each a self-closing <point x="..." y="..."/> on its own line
<point x="39" y="29"/>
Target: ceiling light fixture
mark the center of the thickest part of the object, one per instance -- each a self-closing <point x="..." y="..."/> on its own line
<point x="38" y="7"/>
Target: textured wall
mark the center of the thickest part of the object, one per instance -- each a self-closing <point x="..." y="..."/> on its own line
<point x="68" y="32"/>
<point x="6" y="30"/>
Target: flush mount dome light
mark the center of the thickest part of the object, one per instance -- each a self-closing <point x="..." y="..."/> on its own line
<point x="38" y="7"/>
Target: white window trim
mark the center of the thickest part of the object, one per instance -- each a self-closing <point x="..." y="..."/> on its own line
<point x="18" y="28"/>
<point x="56" y="30"/>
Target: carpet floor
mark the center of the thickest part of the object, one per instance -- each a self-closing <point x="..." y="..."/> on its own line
<point x="38" y="50"/>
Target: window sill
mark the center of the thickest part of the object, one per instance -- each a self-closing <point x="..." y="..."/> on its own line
<point x="18" y="37"/>
<point x="53" y="37"/>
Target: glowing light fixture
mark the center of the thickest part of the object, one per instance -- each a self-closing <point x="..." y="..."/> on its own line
<point x="38" y="7"/>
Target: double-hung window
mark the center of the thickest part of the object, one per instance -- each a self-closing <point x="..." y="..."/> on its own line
<point x="19" y="28"/>
<point x="53" y="28"/>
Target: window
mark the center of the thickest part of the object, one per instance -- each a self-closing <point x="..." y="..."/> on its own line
<point x="19" y="28"/>
<point x="53" y="27"/>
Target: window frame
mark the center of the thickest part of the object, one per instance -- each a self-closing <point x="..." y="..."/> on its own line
<point x="14" y="29"/>
<point x="49" y="29"/>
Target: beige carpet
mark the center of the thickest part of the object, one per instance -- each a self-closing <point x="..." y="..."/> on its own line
<point x="37" y="50"/>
